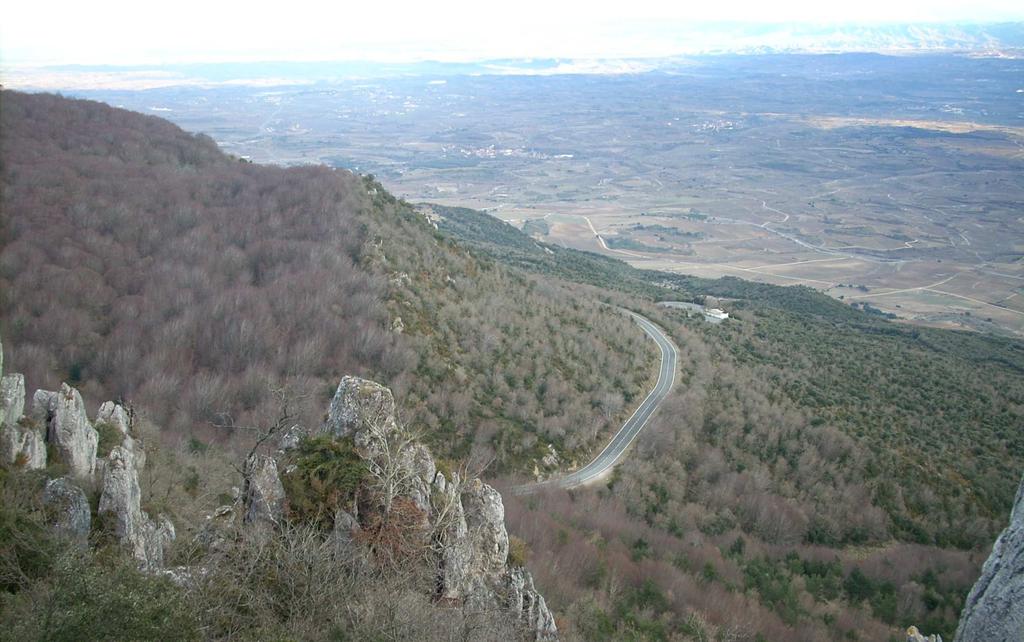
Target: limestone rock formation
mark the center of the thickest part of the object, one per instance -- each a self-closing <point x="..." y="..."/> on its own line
<point x="263" y="495"/>
<point x="22" y="441"/>
<point x="67" y="509"/>
<point x="913" y="635"/>
<point x="485" y="519"/>
<point x="359" y="404"/>
<point x="524" y="599"/>
<point x="456" y="548"/>
<point x="120" y="503"/>
<point x="44" y="402"/>
<point x="216" y="530"/>
<point x="473" y="565"/>
<point x="417" y="460"/>
<point x="70" y="433"/>
<point x="12" y="399"/>
<point x="994" y="610"/>
<point x="475" y="543"/>
<point x="59" y="420"/>
<point x="468" y="519"/>
<point x="117" y="416"/>
<point x="365" y="410"/>
<point x="346" y="526"/>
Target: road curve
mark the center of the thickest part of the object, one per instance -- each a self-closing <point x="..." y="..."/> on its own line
<point x="613" y="452"/>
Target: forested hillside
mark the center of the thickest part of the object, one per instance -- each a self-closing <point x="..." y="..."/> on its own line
<point x="818" y="473"/>
<point x="139" y="262"/>
<point x="827" y="471"/>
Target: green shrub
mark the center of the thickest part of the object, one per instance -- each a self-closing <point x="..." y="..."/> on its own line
<point x="196" y="446"/>
<point x="26" y="549"/>
<point x="640" y="549"/>
<point x="774" y="586"/>
<point x="446" y="467"/>
<point x="325" y="474"/>
<point x="518" y="552"/>
<point x="709" y="573"/>
<point x="110" y="438"/>
<point x="102" y="597"/>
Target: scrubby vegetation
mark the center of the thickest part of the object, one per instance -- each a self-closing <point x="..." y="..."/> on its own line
<point x="522" y="361"/>
<point x="322" y="477"/>
<point x="938" y="413"/>
<point x="235" y="582"/>
<point x="923" y="418"/>
<point x="805" y="512"/>
<point x="825" y="470"/>
<point x="51" y="589"/>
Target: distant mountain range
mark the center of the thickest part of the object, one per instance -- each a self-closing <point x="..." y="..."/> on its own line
<point x="987" y="38"/>
<point x="688" y="41"/>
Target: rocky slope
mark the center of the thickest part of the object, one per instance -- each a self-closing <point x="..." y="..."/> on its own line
<point x="58" y="433"/>
<point x="994" y="610"/>
<point x="459" y="523"/>
<point x="406" y="509"/>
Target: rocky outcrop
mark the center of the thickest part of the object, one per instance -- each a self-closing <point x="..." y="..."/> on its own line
<point x="475" y="543"/>
<point x="524" y="599"/>
<point x="416" y="459"/>
<point x="67" y="509"/>
<point x="487" y="542"/>
<point x="365" y="411"/>
<point x="58" y="420"/>
<point x="116" y="415"/>
<point x="467" y="519"/>
<point x="22" y="442"/>
<point x="215" y="533"/>
<point x="456" y="548"/>
<point x="12" y="399"/>
<point x="263" y="495"/>
<point x="291" y="438"/>
<point x="68" y="430"/>
<point x="913" y="635"/>
<point x="359" y="404"/>
<point x="474" y="565"/>
<point x="346" y="529"/>
<point x="994" y="610"/>
<point x="120" y="508"/>
<point x="44" y="402"/>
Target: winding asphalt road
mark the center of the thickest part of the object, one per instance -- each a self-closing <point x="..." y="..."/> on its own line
<point x="613" y="452"/>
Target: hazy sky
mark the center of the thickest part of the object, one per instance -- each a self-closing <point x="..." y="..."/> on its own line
<point x="127" y="32"/>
